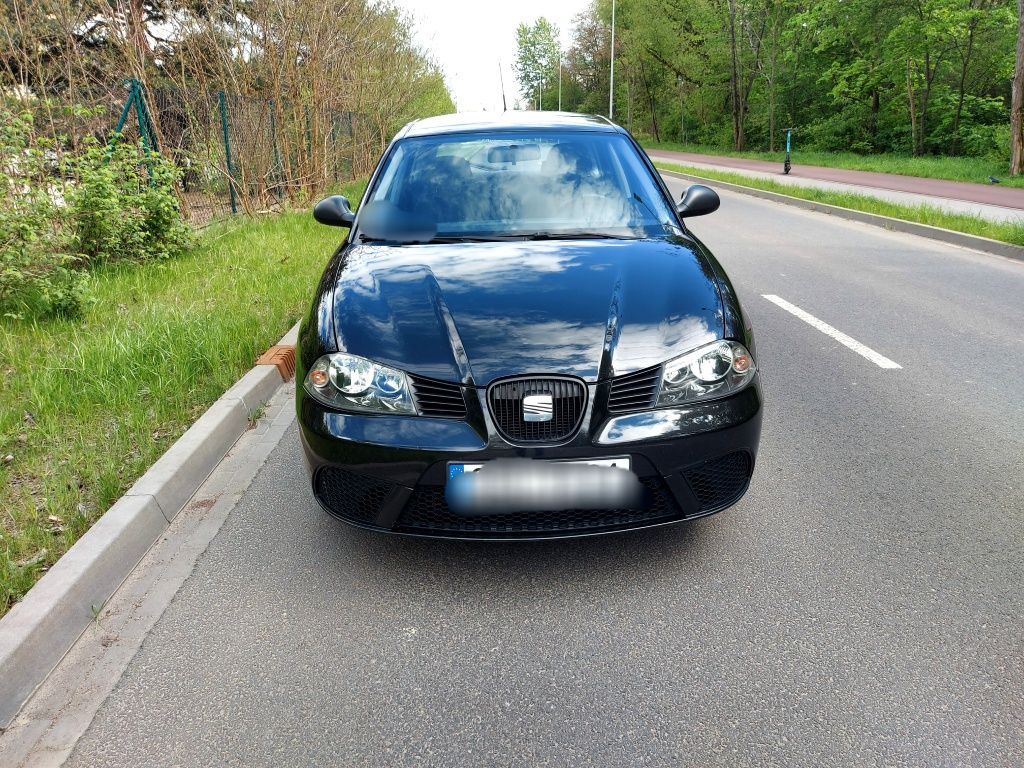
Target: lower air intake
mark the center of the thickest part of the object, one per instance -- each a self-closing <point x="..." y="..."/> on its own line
<point x="717" y="482"/>
<point x="354" y="497"/>
<point x="427" y="512"/>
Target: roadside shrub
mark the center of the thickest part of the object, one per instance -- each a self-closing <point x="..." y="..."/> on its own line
<point x="123" y="206"/>
<point x="62" y="212"/>
<point x="39" y="273"/>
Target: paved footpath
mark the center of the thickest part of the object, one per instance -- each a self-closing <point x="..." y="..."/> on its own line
<point x="990" y="201"/>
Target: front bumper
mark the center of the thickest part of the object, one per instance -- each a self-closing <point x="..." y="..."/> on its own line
<point x="388" y="473"/>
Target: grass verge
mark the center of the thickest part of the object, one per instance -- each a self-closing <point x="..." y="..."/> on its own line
<point x="973" y="169"/>
<point x="89" y="405"/>
<point x="921" y="214"/>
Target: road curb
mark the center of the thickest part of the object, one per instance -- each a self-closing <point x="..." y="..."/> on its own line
<point x="39" y="630"/>
<point x="949" y="236"/>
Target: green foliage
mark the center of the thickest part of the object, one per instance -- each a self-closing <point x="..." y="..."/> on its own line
<point x="63" y="213"/>
<point x="536" y="64"/>
<point x="431" y="97"/>
<point x="157" y="345"/>
<point x="872" y="76"/>
<point x="37" y="270"/>
<point x="123" y="207"/>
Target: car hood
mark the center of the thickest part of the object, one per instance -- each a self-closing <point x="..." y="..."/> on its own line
<point x="475" y="312"/>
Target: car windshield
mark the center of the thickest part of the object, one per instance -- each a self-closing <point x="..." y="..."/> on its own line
<point x="505" y="185"/>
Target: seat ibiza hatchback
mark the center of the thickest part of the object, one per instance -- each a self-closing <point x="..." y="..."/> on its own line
<point x="519" y="338"/>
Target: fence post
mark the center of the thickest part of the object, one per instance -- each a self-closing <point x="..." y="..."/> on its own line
<point x="147" y="128"/>
<point x="128" y="102"/>
<point x="227" y="149"/>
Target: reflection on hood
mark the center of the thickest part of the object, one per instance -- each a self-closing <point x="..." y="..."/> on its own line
<point x="481" y="311"/>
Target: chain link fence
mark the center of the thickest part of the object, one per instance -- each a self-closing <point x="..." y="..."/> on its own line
<point x="237" y="153"/>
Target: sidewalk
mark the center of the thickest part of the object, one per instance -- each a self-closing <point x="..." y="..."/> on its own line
<point x="989" y="201"/>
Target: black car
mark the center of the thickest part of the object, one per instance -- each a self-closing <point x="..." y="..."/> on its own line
<point x="519" y="338"/>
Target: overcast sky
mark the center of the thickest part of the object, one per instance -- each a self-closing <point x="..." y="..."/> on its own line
<point x="468" y="38"/>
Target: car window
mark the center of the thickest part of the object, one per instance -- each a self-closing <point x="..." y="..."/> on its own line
<point x="507" y="185"/>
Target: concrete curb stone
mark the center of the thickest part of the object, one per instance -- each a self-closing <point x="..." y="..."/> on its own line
<point x="39" y="630"/>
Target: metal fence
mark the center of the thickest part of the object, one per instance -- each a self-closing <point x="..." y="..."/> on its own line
<point x="237" y="153"/>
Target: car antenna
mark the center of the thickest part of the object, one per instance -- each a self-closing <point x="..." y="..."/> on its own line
<point x="501" y="75"/>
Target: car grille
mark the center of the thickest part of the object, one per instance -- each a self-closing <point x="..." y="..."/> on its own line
<point x="635" y="391"/>
<point x="438" y="398"/>
<point x="428" y="512"/>
<point x="351" y="496"/>
<point x="568" y="396"/>
<point x="719" y="481"/>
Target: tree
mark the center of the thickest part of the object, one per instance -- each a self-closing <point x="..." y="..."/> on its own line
<point x="536" y="65"/>
<point x="913" y="76"/>
<point x="1017" y="107"/>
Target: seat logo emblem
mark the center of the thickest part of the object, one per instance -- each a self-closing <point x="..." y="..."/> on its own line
<point x="538" y="408"/>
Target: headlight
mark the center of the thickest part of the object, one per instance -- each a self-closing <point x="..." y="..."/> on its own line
<point x="356" y="384"/>
<point x="714" y="370"/>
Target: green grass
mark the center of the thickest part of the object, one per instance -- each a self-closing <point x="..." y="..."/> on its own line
<point x="973" y="169"/>
<point x="922" y="214"/>
<point x="90" y="404"/>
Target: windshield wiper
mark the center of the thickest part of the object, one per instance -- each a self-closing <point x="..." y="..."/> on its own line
<point x="387" y="240"/>
<point x="576" y="236"/>
<point x="431" y="240"/>
<point x="465" y="239"/>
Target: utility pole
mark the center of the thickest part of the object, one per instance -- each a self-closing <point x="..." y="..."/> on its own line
<point x="501" y="76"/>
<point x="559" y="78"/>
<point x="611" y="79"/>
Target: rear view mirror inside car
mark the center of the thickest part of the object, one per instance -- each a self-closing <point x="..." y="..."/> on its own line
<point x="513" y="153"/>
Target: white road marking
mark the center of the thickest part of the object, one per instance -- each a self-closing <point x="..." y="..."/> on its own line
<point x="880" y="360"/>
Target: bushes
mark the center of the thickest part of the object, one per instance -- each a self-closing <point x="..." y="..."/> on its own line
<point x="37" y="271"/>
<point x="63" y="212"/>
<point x="123" y="206"/>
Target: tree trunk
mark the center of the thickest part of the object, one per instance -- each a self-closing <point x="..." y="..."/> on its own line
<point x="1017" y="108"/>
<point x="965" y="64"/>
<point x="650" y="100"/>
<point x="873" y="123"/>
<point x="734" y="81"/>
<point x="911" y="101"/>
<point x="772" y="98"/>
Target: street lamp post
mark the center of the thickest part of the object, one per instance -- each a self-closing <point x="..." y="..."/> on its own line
<point x="559" y="79"/>
<point x="611" y="79"/>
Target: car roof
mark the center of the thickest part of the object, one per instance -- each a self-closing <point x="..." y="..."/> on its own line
<point x="468" y="122"/>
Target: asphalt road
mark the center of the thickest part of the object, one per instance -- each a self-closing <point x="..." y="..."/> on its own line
<point x="861" y="606"/>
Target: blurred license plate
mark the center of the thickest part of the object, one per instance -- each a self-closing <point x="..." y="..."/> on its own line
<point x="621" y="462"/>
<point x="523" y="485"/>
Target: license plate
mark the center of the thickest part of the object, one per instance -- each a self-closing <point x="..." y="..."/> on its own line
<point x="524" y="485"/>
<point x="620" y="462"/>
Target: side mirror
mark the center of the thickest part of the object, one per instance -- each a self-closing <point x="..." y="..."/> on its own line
<point x="334" y="211"/>
<point x="698" y="200"/>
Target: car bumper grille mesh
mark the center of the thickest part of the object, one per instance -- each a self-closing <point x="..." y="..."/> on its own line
<point x="717" y="482"/>
<point x="352" y="496"/>
<point x="568" y="400"/>
<point x="428" y="512"/>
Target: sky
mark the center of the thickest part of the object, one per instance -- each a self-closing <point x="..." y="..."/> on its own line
<point x="468" y="39"/>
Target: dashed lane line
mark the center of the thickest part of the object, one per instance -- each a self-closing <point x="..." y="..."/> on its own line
<point x="864" y="351"/>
